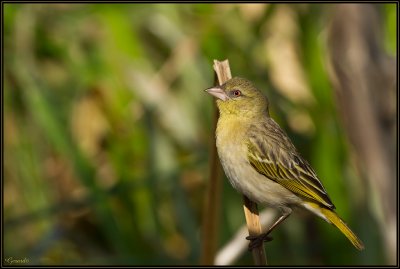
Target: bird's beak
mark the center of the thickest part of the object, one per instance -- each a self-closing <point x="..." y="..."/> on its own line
<point x="218" y="92"/>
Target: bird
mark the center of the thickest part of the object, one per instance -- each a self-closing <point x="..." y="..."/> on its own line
<point x="261" y="162"/>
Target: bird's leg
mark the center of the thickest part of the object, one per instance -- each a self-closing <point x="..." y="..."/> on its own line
<point x="257" y="240"/>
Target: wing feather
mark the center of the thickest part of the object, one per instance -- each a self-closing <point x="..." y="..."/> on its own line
<point x="272" y="154"/>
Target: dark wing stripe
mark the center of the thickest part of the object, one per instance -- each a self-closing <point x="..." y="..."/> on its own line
<point x="322" y="198"/>
<point x="309" y="188"/>
<point x="306" y="194"/>
<point x="311" y="180"/>
<point x="302" y="192"/>
<point x="289" y="170"/>
<point x="309" y="175"/>
<point x="279" y="171"/>
<point x="305" y="190"/>
<point x="284" y="171"/>
<point x="269" y="171"/>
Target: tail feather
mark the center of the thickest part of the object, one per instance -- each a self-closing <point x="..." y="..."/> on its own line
<point x="333" y="218"/>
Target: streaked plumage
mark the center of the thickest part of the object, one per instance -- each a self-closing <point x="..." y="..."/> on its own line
<point x="278" y="160"/>
<point x="261" y="162"/>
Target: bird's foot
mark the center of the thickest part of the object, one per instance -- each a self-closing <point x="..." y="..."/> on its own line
<point x="258" y="240"/>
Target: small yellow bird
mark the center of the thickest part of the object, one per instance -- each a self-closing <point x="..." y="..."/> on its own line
<point x="261" y="162"/>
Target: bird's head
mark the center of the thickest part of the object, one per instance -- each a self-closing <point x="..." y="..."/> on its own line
<point x="240" y="97"/>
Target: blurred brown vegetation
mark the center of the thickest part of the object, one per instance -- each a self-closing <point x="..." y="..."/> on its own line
<point x="107" y="129"/>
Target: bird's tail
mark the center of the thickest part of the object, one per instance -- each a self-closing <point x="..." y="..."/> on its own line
<point x="333" y="218"/>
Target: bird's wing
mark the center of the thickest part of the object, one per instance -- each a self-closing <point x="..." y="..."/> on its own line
<point x="273" y="155"/>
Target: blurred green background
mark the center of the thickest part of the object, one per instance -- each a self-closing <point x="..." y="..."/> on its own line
<point x="108" y="132"/>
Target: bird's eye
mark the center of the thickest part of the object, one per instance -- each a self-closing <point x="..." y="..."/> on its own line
<point x="237" y="93"/>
